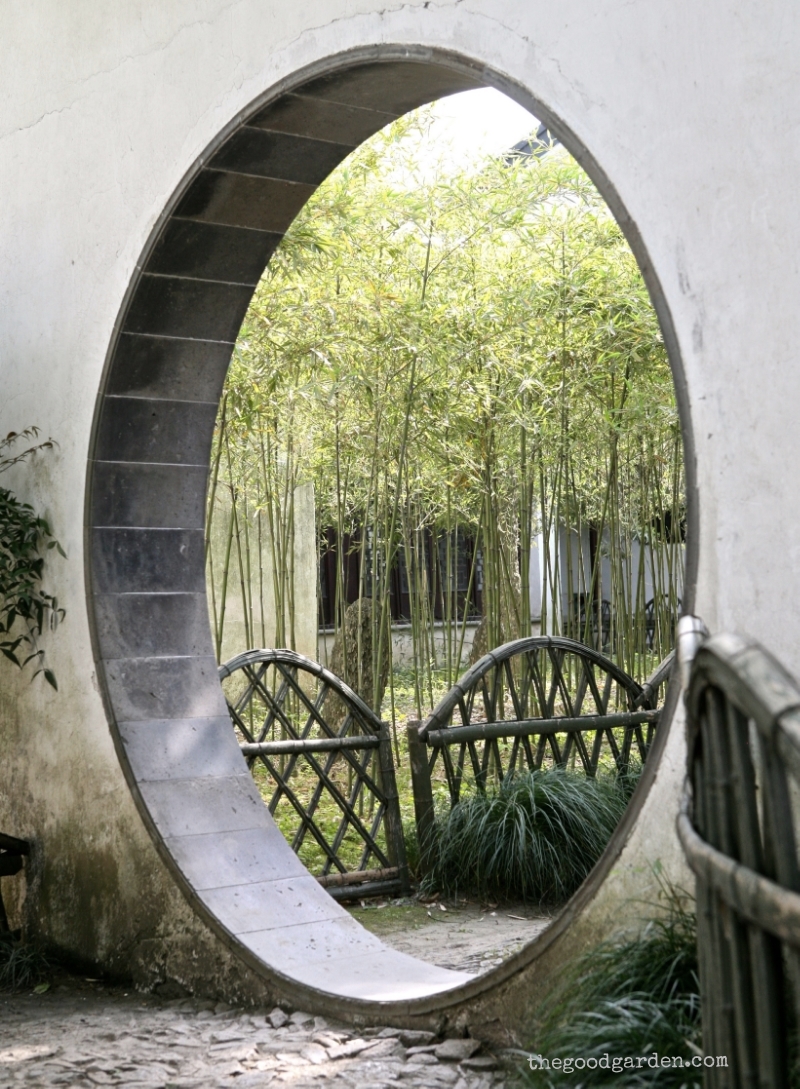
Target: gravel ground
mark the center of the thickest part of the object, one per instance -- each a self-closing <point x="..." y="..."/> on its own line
<point x="465" y="935"/>
<point x="83" y="1032"/>
<point x="68" y="1037"/>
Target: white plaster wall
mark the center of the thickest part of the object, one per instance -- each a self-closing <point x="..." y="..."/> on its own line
<point x="258" y="567"/>
<point x="691" y="109"/>
<point x="573" y="556"/>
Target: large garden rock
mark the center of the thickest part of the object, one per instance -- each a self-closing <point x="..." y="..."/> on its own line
<point x="353" y="658"/>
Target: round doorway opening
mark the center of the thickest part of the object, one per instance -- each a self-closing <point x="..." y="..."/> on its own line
<point x="455" y="403"/>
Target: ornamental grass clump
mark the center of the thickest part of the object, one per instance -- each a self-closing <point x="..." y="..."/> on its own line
<point x="22" y="965"/>
<point x="535" y="837"/>
<point x="631" y="997"/>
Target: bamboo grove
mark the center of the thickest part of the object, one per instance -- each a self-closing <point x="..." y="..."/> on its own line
<point x="473" y="357"/>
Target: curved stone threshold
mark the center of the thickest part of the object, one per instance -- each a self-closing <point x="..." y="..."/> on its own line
<point x="233" y="856"/>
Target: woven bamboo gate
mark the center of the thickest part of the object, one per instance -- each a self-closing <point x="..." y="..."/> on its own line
<point x="737" y="827"/>
<point x="323" y="763"/>
<point x="531" y="703"/>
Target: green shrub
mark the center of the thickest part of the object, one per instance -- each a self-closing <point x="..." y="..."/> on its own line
<point x="536" y="837"/>
<point x="627" y="998"/>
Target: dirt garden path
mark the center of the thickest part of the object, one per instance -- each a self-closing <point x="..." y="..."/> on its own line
<point x="466" y="935"/>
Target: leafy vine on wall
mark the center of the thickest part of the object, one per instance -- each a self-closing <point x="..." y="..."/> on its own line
<point x="26" y="610"/>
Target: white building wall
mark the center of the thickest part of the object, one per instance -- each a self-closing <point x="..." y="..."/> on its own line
<point x="250" y="611"/>
<point x="690" y="111"/>
<point x="645" y="572"/>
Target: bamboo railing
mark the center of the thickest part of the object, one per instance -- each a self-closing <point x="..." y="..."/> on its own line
<point x="737" y="827"/>
<point x="327" y="769"/>
<point x="535" y="701"/>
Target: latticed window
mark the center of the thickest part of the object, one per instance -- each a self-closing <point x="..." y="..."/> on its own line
<point x="442" y="567"/>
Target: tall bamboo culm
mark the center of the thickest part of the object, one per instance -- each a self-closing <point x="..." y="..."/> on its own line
<point x="471" y="375"/>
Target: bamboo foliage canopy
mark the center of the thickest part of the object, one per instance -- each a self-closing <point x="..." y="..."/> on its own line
<point x="476" y="351"/>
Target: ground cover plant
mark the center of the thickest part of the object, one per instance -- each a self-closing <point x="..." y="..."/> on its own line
<point x="22" y="964"/>
<point x="327" y="814"/>
<point x="535" y="837"/>
<point x="627" y="997"/>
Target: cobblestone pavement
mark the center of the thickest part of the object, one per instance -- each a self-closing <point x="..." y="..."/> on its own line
<point x="89" y="1033"/>
<point x="68" y="1038"/>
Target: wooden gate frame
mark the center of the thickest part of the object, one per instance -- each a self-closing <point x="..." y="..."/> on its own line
<point x="433" y="737"/>
<point x="391" y="876"/>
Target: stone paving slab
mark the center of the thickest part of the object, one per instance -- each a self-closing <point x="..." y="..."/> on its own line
<point x="73" y="1038"/>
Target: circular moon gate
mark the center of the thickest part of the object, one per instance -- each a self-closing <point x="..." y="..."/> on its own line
<point x="147" y="496"/>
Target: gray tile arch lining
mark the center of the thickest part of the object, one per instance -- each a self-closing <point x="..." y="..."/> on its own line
<point x="146" y="509"/>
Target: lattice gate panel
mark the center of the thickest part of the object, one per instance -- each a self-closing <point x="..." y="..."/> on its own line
<point x="323" y="763"/>
<point x="539" y="702"/>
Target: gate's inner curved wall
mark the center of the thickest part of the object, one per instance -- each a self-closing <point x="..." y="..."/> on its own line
<point x="147" y="510"/>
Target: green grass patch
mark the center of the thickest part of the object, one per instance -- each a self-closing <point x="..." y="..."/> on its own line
<point x="630" y="997"/>
<point x="327" y="813"/>
<point x="431" y="684"/>
<point x="392" y="918"/>
<point x="535" y="837"/>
